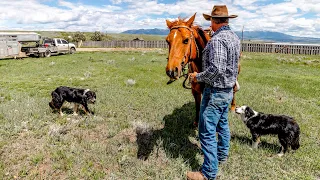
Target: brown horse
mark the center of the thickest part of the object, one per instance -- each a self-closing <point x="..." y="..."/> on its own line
<point x="186" y="43"/>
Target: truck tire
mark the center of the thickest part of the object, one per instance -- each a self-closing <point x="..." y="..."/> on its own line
<point x="72" y="50"/>
<point x="47" y="53"/>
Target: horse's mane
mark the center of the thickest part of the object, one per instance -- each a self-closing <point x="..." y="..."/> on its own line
<point x="198" y="28"/>
<point x="202" y="34"/>
<point x="182" y="21"/>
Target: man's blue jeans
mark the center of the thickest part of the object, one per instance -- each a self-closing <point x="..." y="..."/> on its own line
<point x="214" y="118"/>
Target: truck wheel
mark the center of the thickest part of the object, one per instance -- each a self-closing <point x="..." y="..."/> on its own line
<point x="72" y="50"/>
<point x="47" y="53"/>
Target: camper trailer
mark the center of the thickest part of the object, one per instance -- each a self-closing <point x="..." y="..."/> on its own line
<point x="22" y="44"/>
<point x="11" y="43"/>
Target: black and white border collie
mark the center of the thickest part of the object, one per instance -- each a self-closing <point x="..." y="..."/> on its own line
<point x="74" y="95"/>
<point x="285" y="127"/>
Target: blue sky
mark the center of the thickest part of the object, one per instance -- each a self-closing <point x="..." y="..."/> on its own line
<point x="293" y="17"/>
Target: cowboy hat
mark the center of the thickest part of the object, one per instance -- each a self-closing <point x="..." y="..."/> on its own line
<point x="219" y="11"/>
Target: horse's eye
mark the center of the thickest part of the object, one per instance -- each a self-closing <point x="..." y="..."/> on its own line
<point x="186" y="41"/>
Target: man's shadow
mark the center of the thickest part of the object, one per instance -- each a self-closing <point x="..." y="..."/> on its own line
<point x="174" y="137"/>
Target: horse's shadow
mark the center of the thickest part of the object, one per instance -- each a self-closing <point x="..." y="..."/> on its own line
<point x="173" y="137"/>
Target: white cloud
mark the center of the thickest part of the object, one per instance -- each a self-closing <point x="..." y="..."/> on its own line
<point x="278" y="9"/>
<point x="296" y="17"/>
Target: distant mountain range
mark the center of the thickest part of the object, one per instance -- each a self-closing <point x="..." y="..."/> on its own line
<point x="267" y="36"/>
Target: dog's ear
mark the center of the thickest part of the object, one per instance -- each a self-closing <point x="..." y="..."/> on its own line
<point x="248" y="112"/>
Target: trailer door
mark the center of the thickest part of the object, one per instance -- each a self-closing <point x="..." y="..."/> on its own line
<point x="9" y="46"/>
<point x="3" y="47"/>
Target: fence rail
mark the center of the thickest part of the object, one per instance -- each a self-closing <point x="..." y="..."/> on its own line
<point x="308" y="49"/>
<point x="126" y="44"/>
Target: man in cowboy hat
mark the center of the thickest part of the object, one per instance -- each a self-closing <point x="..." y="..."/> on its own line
<point x="220" y="70"/>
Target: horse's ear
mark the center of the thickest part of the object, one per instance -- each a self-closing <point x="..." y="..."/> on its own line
<point x="169" y="23"/>
<point x="190" y="21"/>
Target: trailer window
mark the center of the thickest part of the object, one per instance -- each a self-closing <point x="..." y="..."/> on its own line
<point x="47" y="41"/>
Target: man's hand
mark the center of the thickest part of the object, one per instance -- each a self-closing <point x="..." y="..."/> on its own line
<point x="193" y="77"/>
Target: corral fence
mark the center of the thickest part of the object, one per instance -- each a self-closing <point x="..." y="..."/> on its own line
<point x="125" y="44"/>
<point x="308" y="49"/>
<point x="286" y="48"/>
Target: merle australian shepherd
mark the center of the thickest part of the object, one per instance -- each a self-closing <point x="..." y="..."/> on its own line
<point x="74" y="95"/>
<point x="285" y="127"/>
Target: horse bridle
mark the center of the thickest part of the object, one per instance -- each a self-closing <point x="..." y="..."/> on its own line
<point x="183" y="64"/>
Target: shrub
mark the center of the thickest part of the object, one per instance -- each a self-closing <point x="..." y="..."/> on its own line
<point x="97" y="36"/>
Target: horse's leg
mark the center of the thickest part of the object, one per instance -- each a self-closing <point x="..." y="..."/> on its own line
<point x="233" y="102"/>
<point x="236" y="88"/>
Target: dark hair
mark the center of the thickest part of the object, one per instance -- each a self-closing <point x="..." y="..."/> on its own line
<point x="220" y="20"/>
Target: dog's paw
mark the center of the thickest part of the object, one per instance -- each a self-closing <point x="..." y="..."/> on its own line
<point x="280" y="154"/>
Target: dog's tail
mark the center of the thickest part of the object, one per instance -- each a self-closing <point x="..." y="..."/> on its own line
<point x="296" y="138"/>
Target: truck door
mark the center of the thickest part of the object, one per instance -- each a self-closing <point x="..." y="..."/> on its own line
<point x="65" y="45"/>
<point x="61" y="47"/>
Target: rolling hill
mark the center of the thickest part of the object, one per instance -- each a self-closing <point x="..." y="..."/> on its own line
<point x="268" y="36"/>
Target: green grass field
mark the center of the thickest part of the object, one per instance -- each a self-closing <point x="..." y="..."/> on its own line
<point x="141" y="130"/>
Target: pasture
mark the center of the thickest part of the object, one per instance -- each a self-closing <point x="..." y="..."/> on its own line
<point x="141" y="130"/>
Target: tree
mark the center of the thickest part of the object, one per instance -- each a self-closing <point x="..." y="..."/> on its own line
<point x="79" y="37"/>
<point x="97" y="36"/>
<point x="67" y="36"/>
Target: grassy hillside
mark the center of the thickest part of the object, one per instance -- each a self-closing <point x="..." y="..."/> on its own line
<point x="141" y="130"/>
<point x="108" y="36"/>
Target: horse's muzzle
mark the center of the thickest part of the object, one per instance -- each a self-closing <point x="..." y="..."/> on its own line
<point x="173" y="74"/>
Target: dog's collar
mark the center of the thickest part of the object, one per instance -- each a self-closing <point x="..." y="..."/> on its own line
<point x="255" y="115"/>
<point x="85" y="91"/>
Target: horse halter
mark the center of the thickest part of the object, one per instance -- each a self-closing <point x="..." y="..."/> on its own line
<point x="183" y="64"/>
<point x="190" y="45"/>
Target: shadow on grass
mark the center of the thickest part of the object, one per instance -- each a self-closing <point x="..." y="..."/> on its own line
<point x="248" y="141"/>
<point x="174" y="136"/>
<point x="67" y="110"/>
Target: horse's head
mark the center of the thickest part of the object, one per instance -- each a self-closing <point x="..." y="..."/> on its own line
<point x="182" y="46"/>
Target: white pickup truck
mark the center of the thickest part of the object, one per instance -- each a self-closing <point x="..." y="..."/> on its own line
<point x="50" y="47"/>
